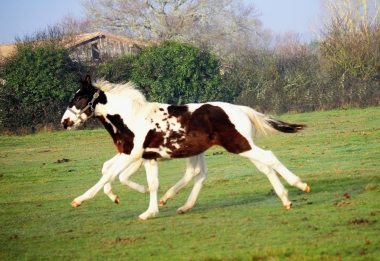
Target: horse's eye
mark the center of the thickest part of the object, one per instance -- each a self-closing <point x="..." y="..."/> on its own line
<point x="80" y="98"/>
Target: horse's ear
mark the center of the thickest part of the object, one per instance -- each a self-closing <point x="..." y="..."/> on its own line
<point x="86" y="84"/>
<point x="88" y="79"/>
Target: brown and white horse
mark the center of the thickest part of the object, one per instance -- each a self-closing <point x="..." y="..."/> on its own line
<point x="144" y="132"/>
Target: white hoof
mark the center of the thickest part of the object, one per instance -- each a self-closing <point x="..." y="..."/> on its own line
<point x="75" y="204"/>
<point x="182" y="210"/>
<point x="147" y="214"/>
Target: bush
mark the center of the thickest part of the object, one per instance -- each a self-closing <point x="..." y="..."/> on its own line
<point x="279" y="82"/>
<point x="39" y="82"/>
<point x="171" y="72"/>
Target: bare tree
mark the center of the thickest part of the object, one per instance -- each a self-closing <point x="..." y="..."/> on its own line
<point x="351" y="36"/>
<point x="224" y="23"/>
<point x="355" y="16"/>
<point x="74" y="25"/>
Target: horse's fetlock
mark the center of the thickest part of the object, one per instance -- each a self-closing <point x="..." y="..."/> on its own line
<point x="296" y="182"/>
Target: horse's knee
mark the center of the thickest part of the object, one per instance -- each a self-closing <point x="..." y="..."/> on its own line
<point x="123" y="181"/>
<point x="107" y="188"/>
<point x="105" y="167"/>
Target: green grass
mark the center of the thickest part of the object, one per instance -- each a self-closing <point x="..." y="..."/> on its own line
<point x="237" y="215"/>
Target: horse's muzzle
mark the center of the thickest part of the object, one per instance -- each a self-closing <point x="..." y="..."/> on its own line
<point x="66" y="123"/>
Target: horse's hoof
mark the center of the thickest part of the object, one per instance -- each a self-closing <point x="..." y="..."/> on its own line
<point x="180" y="211"/>
<point x="117" y="200"/>
<point x="140" y="219"/>
<point x="161" y="203"/>
<point x="74" y="204"/>
<point x="307" y="189"/>
<point x="288" y="206"/>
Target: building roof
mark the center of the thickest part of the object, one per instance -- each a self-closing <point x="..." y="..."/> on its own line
<point x="89" y="36"/>
<point x="6" y="50"/>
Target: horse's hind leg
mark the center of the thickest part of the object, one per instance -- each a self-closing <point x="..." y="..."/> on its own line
<point x="281" y="192"/>
<point x="268" y="158"/>
<point x="195" y="166"/>
<point x="198" y="183"/>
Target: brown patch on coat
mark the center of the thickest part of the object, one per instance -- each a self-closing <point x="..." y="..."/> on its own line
<point x="151" y="155"/>
<point x="123" y="137"/>
<point x="207" y="126"/>
<point x="153" y="139"/>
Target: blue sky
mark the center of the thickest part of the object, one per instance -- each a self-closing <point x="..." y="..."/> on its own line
<point x="300" y="16"/>
<point x="20" y="17"/>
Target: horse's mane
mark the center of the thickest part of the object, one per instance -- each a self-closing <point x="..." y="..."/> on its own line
<point x="127" y="90"/>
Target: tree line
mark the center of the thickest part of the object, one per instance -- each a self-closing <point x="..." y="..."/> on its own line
<point x="235" y="62"/>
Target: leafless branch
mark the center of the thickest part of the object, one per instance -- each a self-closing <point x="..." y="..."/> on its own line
<point x="218" y="23"/>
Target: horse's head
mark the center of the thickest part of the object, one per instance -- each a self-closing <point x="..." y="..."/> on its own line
<point x="82" y="106"/>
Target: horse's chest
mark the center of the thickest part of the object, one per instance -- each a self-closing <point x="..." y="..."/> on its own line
<point x="122" y="136"/>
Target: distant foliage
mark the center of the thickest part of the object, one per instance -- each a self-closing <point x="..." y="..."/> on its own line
<point x="38" y="84"/>
<point x="171" y="72"/>
<point x="293" y="76"/>
<point x="230" y="59"/>
<point x="117" y="70"/>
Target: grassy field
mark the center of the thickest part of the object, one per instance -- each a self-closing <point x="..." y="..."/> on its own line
<point x="237" y="215"/>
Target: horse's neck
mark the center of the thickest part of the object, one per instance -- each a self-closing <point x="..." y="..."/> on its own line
<point x="129" y="112"/>
<point x="116" y="105"/>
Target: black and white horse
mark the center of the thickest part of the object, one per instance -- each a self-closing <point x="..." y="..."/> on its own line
<point x="144" y="132"/>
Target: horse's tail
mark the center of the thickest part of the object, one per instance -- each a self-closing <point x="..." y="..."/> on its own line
<point x="264" y="123"/>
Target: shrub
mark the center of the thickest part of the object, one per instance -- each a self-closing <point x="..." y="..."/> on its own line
<point x="171" y="72"/>
<point x="38" y="84"/>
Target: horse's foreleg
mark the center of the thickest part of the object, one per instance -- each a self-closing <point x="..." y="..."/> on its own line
<point x="110" y="170"/>
<point x="108" y="191"/>
<point x="124" y="179"/>
<point x="124" y="176"/>
<point x="107" y="187"/>
<point x="151" y="168"/>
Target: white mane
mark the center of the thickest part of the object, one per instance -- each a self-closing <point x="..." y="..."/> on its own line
<point x="127" y="90"/>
